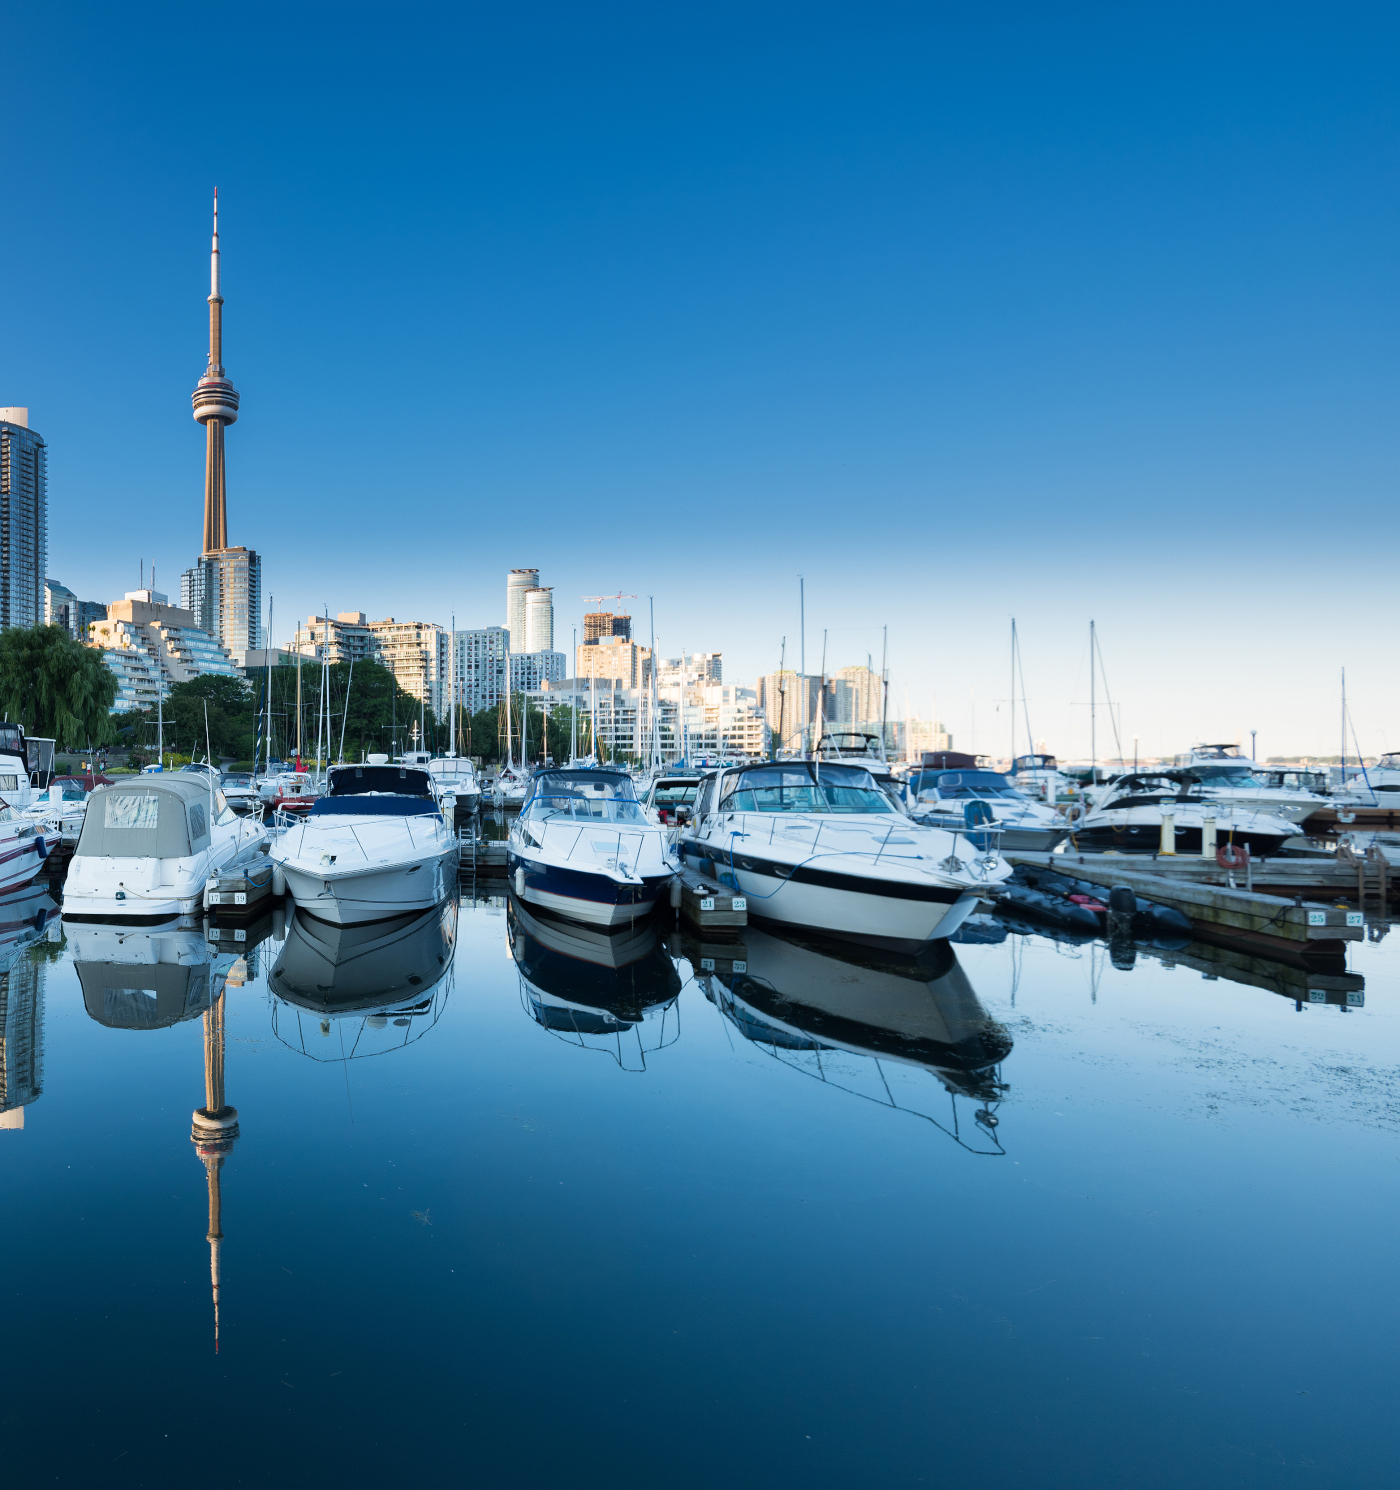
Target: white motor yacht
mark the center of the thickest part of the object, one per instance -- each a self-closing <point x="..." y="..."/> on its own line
<point x="1129" y="816"/>
<point x="454" y="776"/>
<point x="149" y="844"/>
<point x="1377" y="786"/>
<point x="288" y="791"/>
<point x="240" y="790"/>
<point x="1233" y="788"/>
<point x="940" y="798"/>
<point x="511" y="787"/>
<point x="818" y="844"/>
<point x="375" y="845"/>
<point x="1218" y="758"/>
<point x="16" y="783"/>
<point x="1040" y="778"/>
<point x="584" y="848"/>
<point x="60" y="809"/>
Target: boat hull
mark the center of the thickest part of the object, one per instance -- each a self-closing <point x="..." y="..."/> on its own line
<point x="886" y="912"/>
<point x="1146" y="838"/>
<point x="591" y="897"/>
<point x="375" y="893"/>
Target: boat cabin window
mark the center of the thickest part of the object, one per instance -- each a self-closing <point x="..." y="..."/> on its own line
<point x="137" y="824"/>
<point x="1034" y="763"/>
<point x="796" y="787"/>
<point x="11" y="739"/>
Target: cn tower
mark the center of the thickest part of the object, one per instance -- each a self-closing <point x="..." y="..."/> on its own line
<point x="215" y="404"/>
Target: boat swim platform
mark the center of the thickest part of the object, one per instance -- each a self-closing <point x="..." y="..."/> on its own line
<point x="1249" y="917"/>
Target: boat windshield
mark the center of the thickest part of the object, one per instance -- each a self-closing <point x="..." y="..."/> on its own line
<point x="1234" y="780"/>
<point x="402" y="781"/>
<point x="1034" y="763"/>
<point x="793" y="786"/>
<point x="674" y="793"/>
<point x="593" y="785"/>
<point x="964" y="785"/>
<point x="584" y="796"/>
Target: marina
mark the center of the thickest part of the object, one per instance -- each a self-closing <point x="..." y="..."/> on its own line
<point x="906" y="995"/>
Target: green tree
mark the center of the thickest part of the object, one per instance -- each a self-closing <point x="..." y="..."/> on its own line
<point x="56" y="688"/>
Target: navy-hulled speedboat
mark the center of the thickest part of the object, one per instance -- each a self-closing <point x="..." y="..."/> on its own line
<point x="584" y="848"/>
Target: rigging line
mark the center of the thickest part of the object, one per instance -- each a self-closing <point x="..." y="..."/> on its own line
<point x="1112" y="716"/>
<point x="1025" y="708"/>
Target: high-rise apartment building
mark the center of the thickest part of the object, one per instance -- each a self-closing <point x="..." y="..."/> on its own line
<point x="417" y="653"/>
<point x="613" y="657"/>
<point x="344" y="637"/>
<point x="24" y="520"/>
<point x="600" y="623"/>
<point x="854" y="696"/>
<point x="518" y="582"/>
<point x="538" y="635"/>
<point x="149" y="644"/>
<point x="60" y="607"/>
<point x="224" y="591"/>
<point x="480" y="667"/>
<point x="693" y="670"/>
<point x="788" y="701"/>
<point x="531" y="670"/>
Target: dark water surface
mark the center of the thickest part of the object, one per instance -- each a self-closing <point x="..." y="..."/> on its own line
<point x="544" y="1222"/>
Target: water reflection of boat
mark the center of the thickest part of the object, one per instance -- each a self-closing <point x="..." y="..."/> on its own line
<point x="387" y="980"/>
<point x="142" y="980"/>
<point x="613" y="991"/>
<point x="871" y="1024"/>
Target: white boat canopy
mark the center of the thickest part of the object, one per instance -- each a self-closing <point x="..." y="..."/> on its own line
<point x="157" y="817"/>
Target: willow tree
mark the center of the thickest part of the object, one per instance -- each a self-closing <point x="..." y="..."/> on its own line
<point x="54" y="687"/>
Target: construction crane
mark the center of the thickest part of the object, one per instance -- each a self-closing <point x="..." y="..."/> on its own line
<point x="599" y="599"/>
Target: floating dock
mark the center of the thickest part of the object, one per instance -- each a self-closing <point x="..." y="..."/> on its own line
<point x="242" y="891"/>
<point x="1245" y="917"/>
<point x="706" y="904"/>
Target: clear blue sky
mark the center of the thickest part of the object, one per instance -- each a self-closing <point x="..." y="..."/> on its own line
<point x="961" y="312"/>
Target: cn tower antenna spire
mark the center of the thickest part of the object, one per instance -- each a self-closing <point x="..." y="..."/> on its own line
<point x="215" y="406"/>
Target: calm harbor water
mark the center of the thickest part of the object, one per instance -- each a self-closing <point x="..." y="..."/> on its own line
<point x="499" y="1211"/>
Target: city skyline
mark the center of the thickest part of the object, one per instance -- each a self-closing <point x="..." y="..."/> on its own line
<point x="1036" y="296"/>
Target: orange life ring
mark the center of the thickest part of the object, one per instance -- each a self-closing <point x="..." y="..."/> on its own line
<point x="1232" y="855"/>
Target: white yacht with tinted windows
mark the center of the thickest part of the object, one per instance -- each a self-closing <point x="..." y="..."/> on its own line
<point x="940" y="798"/>
<point x="374" y="846"/>
<point x="818" y="844"/>
<point x="1130" y="816"/>
<point x="453" y="777"/>
<point x="583" y="847"/>
<point x="148" y="845"/>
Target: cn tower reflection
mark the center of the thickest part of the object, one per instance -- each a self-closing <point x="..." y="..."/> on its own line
<point x="212" y="1131"/>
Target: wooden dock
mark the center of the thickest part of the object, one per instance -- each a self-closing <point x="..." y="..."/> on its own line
<point x="1316" y="875"/>
<point x="706" y="904"/>
<point x="241" y="892"/>
<point x="1268" y="922"/>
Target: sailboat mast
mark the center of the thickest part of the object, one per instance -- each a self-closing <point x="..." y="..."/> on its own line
<point x="510" y="757"/>
<point x="452" y="691"/>
<point x="885" y="698"/>
<point x="269" y="688"/>
<point x="1093" y="738"/>
<point x="1013" y="693"/>
<point x="573" y="712"/>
